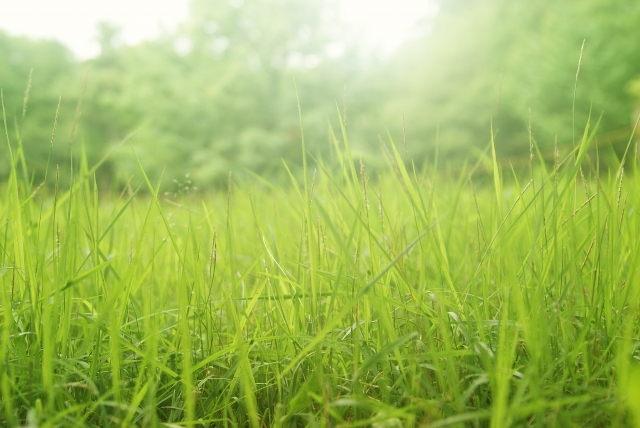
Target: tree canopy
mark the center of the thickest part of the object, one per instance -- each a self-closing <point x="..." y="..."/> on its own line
<point x="219" y="93"/>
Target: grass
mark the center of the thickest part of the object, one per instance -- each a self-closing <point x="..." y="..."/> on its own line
<point x="405" y="299"/>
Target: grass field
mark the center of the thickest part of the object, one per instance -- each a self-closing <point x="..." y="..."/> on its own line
<point x="403" y="298"/>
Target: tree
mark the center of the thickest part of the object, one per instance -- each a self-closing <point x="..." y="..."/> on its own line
<point x="492" y="61"/>
<point x="219" y="94"/>
<point x="54" y="71"/>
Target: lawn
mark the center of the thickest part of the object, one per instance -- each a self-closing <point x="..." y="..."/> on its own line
<point x="480" y="296"/>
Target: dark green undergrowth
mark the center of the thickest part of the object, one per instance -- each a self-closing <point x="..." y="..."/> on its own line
<point x="403" y="299"/>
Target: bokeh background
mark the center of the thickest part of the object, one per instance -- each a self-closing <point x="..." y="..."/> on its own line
<point x="207" y="86"/>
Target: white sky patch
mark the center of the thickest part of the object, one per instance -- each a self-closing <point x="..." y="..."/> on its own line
<point x="381" y="26"/>
<point x="73" y="22"/>
<point x="386" y="24"/>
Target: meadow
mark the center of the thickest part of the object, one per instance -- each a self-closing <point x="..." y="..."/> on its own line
<point x="405" y="297"/>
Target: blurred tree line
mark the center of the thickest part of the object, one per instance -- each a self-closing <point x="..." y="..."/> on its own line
<point x="219" y="95"/>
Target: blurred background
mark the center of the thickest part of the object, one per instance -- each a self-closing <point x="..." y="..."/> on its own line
<point x="208" y="85"/>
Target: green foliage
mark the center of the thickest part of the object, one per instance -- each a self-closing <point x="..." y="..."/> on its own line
<point x="54" y="71"/>
<point x="498" y="59"/>
<point x="218" y="95"/>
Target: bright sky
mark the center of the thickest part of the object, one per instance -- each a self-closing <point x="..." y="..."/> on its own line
<point x="384" y="24"/>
